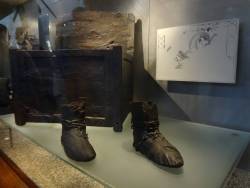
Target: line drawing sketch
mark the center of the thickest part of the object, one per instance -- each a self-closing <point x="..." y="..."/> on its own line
<point x="210" y="46"/>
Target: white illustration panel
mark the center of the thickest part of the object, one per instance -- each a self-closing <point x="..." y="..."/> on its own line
<point x="205" y="52"/>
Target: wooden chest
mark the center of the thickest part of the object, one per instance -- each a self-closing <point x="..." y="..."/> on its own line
<point x="43" y="81"/>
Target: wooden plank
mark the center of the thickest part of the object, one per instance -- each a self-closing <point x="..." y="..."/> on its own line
<point x="63" y="52"/>
<point x="97" y="30"/>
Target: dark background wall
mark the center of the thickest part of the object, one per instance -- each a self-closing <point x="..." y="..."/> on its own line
<point x="222" y="105"/>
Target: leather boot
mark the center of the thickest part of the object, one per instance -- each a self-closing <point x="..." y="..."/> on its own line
<point x="74" y="137"/>
<point x="147" y="138"/>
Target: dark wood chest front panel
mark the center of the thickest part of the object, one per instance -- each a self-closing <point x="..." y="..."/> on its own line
<point x="43" y="81"/>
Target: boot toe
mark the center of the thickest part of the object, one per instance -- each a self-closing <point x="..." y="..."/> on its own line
<point x="169" y="157"/>
<point x="78" y="149"/>
<point x="172" y="159"/>
<point x="86" y="155"/>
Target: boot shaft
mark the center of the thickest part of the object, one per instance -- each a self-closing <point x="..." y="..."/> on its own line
<point x="145" y="121"/>
<point x="144" y="114"/>
<point x="73" y="115"/>
<point x="74" y="110"/>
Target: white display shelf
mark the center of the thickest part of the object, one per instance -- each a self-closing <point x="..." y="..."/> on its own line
<point x="209" y="153"/>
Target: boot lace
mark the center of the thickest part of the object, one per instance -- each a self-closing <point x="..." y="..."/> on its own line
<point x="152" y="129"/>
<point x="75" y="124"/>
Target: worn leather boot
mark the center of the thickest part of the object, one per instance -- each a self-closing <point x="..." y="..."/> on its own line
<point x="147" y="138"/>
<point x="74" y="137"/>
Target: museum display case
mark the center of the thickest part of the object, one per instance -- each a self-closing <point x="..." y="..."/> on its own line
<point x="125" y="88"/>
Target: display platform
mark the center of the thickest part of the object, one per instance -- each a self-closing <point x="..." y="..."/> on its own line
<point x="209" y="153"/>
